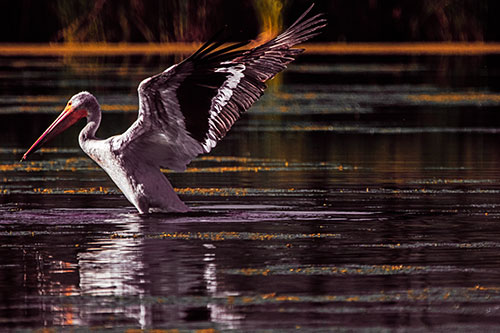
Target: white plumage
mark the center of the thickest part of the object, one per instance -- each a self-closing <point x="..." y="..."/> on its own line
<point x="183" y="112"/>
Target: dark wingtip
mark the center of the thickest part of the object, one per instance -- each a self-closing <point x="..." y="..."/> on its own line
<point x="217" y="39"/>
<point x="301" y="16"/>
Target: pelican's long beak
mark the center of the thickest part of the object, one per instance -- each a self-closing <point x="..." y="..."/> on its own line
<point x="68" y="117"/>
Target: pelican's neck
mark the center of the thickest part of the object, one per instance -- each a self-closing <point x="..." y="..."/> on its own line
<point x="93" y="122"/>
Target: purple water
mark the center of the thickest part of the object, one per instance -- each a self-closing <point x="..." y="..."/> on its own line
<point x="359" y="194"/>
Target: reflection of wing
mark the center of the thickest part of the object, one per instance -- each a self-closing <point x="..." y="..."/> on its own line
<point x="188" y="108"/>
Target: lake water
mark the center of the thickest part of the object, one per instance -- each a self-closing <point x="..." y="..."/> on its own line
<point x="361" y="193"/>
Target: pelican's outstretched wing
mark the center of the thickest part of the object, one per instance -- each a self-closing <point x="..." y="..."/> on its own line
<point x="188" y="108"/>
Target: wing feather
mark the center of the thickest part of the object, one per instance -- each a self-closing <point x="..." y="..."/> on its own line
<point x="185" y="110"/>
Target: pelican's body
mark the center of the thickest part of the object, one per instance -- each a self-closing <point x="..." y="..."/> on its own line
<point x="183" y="112"/>
<point x="143" y="184"/>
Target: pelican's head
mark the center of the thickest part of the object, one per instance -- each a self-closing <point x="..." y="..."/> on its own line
<point x="77" y="108"/>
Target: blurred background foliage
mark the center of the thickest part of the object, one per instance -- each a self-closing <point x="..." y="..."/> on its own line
<point x="196" y="20"/>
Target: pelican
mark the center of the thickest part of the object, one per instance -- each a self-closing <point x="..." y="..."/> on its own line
<point x="183" y="112"/>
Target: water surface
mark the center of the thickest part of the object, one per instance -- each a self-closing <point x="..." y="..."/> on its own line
<point x="362" y="192"/>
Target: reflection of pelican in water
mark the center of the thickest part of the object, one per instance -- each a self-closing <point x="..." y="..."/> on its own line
<point x="128" y="268"/>
<point x="113" y="267"/>
<point x="183" y="112"/>
<point x="125" y="269"/>
<point x="219" y="313"/>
